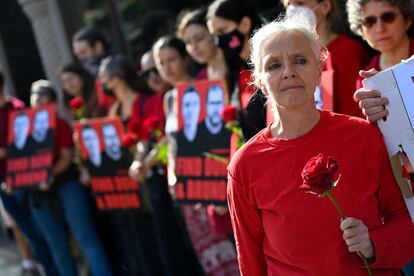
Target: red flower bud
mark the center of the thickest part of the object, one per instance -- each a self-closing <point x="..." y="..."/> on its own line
<point x="318" y="174"/>
<point x="128" y="140"/>
<point x="229" y="113"/>
<point x="76" y="103"/>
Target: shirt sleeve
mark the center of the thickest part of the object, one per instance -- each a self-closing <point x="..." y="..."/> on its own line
<point x="248" y="230"/>
<point x="394" y="239"/>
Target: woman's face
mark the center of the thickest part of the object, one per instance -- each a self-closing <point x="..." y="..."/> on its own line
<point x="290" y="71"/>
<point x="199" y="43"/>
<point x="71" y="83"/>
<point x="219" y="26"/>
<point x="381" y="35"/>
<point x="171" y="65"/>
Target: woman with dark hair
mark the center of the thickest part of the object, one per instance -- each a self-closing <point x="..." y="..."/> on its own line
<point x="389" y="30"/>
<point x="387" y="27"/>
<point x="77" y="82"/>
<point x="232" y="22"/>
<point x="133" y="104"/>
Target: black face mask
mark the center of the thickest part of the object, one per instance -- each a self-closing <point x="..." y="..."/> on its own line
<point x="106" y="90"/>
<point x="91" y="64"/>
<point x="231" y="43"/>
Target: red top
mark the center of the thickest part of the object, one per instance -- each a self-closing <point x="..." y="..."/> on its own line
<point x="374" y="63"/>
<point x="63" y="137"/>
<point x="347" y="57"/>
<point x="144" y="107"/>
<point x="280" y="230"/>
<point x="12" y="104"/>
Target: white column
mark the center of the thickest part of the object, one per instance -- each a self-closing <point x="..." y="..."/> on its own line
<point x="48" y="30"/>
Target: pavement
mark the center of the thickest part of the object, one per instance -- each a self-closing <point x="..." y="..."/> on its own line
<point x="9" y="256"/>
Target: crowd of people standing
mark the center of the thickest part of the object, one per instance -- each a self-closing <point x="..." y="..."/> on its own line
<point x="278" y="76"/>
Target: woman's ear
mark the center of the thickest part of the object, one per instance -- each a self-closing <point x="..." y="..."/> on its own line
<point x="245" y="25"/>
<point x="408" y="23"/>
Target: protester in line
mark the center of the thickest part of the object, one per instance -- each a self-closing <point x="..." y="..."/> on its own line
<point x="13" y="201"/>
<point x="280" y="229"/>
<point x="176" y="252"/>
<point x="387" y="27"/>
<point x="76" y="81"/>
<point x="346" y="55"/>
<point x="140" y="247"/>
<point x="232" y="22"/>
<point x="90" y="46"/>
<point x="64" y="192"/>
<point x="171" y="59"/>
<point x="151" y="75"/>
<point x="193" y="30"/>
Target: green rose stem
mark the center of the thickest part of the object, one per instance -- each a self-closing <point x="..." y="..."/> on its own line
<point x="332" y="198"/>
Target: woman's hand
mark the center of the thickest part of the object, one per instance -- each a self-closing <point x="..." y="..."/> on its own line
<point x="370" y="101"/>
<point x="356" y="237"/>
<point x="138" y="171"/>
<point x="84" y="177"/>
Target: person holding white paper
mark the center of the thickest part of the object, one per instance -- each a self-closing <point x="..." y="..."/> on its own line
<point x="387" y="27"/>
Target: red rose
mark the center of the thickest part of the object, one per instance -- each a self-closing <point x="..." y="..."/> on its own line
<point x="76" y="103"/>
<point x="128" y="140"/>
<point x="229" y="113"/>
<point x="318" y="174"/>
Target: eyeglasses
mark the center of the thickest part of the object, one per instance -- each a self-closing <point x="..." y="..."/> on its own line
<point x="146" y="73"/>
<point x="386" y="17"/>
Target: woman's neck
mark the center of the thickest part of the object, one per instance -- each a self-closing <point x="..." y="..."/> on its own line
<point x="245" y="52"/>
<point x="325" y="33"/>
<point x="216" y="66"/>
<point x="125" y="94"/>
<point x="390" y="58"/>
<point x="293" y="123"/>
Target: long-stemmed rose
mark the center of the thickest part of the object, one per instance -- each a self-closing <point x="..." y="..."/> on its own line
<point x="77" y="106"/>
<point x="129" y="141"/>
<point x="319" y="178"/>
<point x="152" y="131"/>
<point x="229" y="116"/>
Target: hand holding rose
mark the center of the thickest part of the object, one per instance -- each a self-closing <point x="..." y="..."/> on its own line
<point x="357" y="238"/>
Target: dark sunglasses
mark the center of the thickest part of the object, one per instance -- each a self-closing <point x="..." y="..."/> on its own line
<point x="145" y="74"/>
<point x="386" y="17"/>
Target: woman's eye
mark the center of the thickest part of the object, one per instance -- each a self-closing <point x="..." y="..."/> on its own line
<point x="301" y="61"/>
<point x="273" y="66"/>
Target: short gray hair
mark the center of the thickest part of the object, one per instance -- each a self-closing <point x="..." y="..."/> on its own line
<point x="297" y="22"/>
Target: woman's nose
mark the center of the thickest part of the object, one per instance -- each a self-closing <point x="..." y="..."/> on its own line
<point x="289" y="72"/>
